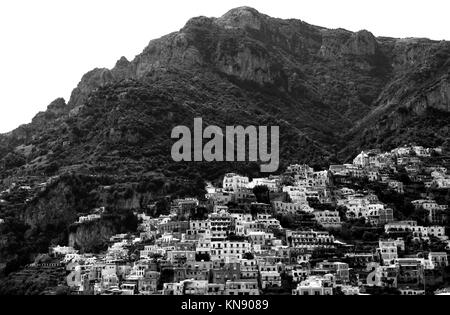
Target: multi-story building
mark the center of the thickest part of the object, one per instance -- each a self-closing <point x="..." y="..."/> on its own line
<point x="439" y="260"/>
<point x="203" y="247"/>
<point x="184" y="206"/>
<point x="228" y="250"/>
<point x="385" y="216"/>
<point x="273" y="184"/>
<point x="289" y="207"/>
<point x="225" y="272"/>
<point x="270" y="279"/>
<point x="242" y="287"/>
<point x="303" y="171"/>
<point x="340" y="271"/>
<point x="328" y="219"/>
<point x="419" y="233"/>
<point x="198" y="270"/>
<point x="89" y="218"/>
<point x="388" y="251"/>
<point x="221" y="224"/>
<point x="260" y="238"/>
<point x="410" y="271"/>
<point x="396" y="185"/>
<point x="233" y="182"/>
<point x="249" y="269"/>
<point x="297" y="194"/>
<point x="180" y="256"/>
<point x="216" y="289"/>
<point x="438" y="232"/>
<point x="310" y="240"/>
<point x="315" y="285"/>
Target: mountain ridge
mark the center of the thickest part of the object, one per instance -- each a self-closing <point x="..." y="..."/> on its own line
<point x="331" y="87"/>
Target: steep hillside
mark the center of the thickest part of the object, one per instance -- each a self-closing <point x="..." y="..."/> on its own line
<point x="330" y="91"/>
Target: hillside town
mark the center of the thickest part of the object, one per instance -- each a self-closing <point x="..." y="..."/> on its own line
<point x="376" y="226"/>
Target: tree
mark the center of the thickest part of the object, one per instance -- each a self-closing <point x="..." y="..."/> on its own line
<point x="262" y="194"/>
<point x="420" y="215"/>
<point x="51" y="168"/>
<point x="12" y="160"/>
<point x="248" y="256"/>
<point x="369" y="236"/>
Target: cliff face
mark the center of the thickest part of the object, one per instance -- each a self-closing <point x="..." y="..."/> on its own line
<point x="415" y="105"/>
<point x="53" y="208"/>
<point x="92" y="237"/>
<point x="74" y="195"/>
<point x="330" y="91"/>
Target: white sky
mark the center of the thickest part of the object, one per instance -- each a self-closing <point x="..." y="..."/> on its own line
<point x="47" y="45"/>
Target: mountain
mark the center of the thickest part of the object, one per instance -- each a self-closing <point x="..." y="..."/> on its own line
<point x="331" y="91"/>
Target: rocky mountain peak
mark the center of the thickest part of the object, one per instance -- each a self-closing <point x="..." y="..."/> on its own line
<point x="90" y="82"/>
<point x="199" y="21"/>
<point x="58" y="105"/>
<point x="242" y="17"/>
<point x="56" y="109"/>
<point x="362" y="43"/>
<point x="122" y="62"/>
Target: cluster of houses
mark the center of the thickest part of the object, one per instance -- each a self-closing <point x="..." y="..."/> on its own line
<point x="95" y="215"/>
<point x="377" y="165"/>
<point x="228" y="243"/>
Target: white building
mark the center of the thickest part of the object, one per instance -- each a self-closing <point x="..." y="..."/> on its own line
<point x="439" y="260"/>
<point x="328" y="219"/>
<point x="62" y="250"/>
<point x="442" y="182"/>
<point x="428" y="205"/>
<point x="233" y="182"/>
<point x="401" y="151"/>
<point x="315" y="285"/>
<point x="271" y="184"/>
<point x="260" y="238"/>
<point x="89" y="218"/>
<point x="419" y="233"/>
<point x="388" y="251"/>
<point x="310" y="240"/>
<point x="362" y="159"/>
<point x="396" y="186"/>
<point x="421" y="151"/>
<point x="228" y="250"/>
<point x="270" y="279"/>
<point x="151" y="250"/>
<point x="220" y="209"/>
<point x="438" y="232"/>
<point x="203" y="246"/>
<point x="199" y="225"/>
<point x="303" y="171"/>
<point x="289" y="207"/>
<point x="242" y="287"/>
<point x="296" y="193"/>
